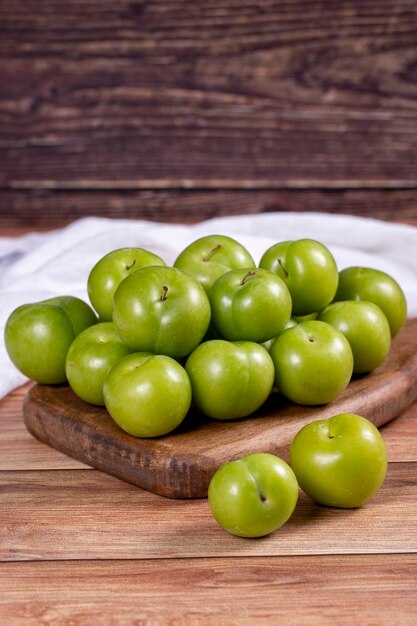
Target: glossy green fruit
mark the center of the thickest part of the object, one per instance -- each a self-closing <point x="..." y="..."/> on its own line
<point x="313" y="362"/>
<point x="254" y="496"/>
<point x="304" y="318"/>
<point x="249" y="305"/>
<point x="161" y="310"/>
<point x="80" y="314"/>
<point x="108" y="273"/>
<point x="365" y="327"/>
<point x="364" y="283"/>
<point x="340" y="461"/>
<point x="147" y="395"/>
<point x="37" y="336"/>
<point x="90" y="357"/>
<point x="230" y="379"/>
<point x="211" y="256"/>
<point x="308" y="269"/>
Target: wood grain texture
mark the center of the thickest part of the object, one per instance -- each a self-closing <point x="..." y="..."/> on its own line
<point x="53" y="208"/>
<point x="80" y="514"/>
<point x="401" y="436"/>
<point x="233" y="95"/>
<point x="181" y="464"/>
<point x="292" y="591"/>
<point x="21" y="451"/>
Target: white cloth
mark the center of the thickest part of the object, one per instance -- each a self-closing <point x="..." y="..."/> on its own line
<point x="42" y="265"/>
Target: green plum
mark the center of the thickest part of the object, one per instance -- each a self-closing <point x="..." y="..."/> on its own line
<point x="108" y="273"/>
<point x="313" y="362"/>
<point x="365" y="327"/>
<point x="268" y="344"/>
<point x="364" y="283"/>
<point x="308" y="269"/>
<point x="161" y="310"/>
<point x="230" y="380"/>
<point x="211" y="334"/>
<point x="147" y="395"/>
<point x="90" y="357"/>
<point x="305" y="318"/>
<point x="254" y="496"/>
<point x="291" y="323"/>
<point x="211" y="256"/>
<point x="80" y="314"/>
<point x="38" y="335"/>
<point x="249" y="305"/>
<point x="340" y="461"/>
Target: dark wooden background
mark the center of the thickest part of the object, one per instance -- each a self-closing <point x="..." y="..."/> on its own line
<point x="187" y="109"/>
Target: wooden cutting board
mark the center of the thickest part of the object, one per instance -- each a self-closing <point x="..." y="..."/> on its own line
<point x="181" y="464"/>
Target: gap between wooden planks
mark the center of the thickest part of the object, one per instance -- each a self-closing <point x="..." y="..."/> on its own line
<point x="60" y="515"/>
<point x="21" y="451"/>
<point x="377" y="589"/>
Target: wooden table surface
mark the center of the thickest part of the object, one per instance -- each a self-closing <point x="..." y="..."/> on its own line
<point x="79" y="547"/>
<point x="180" y="111"/>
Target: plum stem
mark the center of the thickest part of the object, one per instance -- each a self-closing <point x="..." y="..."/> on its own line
<point x="164" y="294"/>
<point x="128" y="267"/>
<point x="246" y="276"/>
<point x="212" y="251"/>
<point x="281" y="264"/>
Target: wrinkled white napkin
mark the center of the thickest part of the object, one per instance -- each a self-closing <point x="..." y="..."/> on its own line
<point x="39" y="266"/>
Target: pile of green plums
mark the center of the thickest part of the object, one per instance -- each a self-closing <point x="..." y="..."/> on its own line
<point x="216" y="331"/>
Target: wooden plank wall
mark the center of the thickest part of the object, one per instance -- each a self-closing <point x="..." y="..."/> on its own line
<point x="182" y="110"/>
